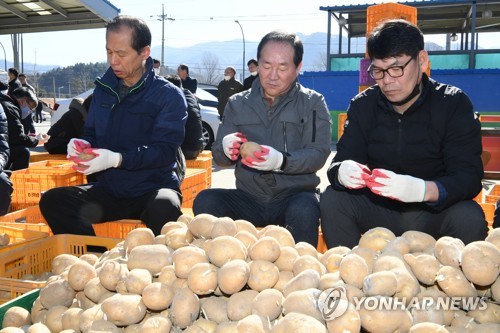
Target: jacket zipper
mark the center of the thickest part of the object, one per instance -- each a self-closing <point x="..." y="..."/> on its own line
<point x="314" y="126"/>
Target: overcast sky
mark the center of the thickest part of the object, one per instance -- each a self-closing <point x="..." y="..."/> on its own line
<point x="195" y="21"/>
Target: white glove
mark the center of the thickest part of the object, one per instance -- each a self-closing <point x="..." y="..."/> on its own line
<point x="266" y="160"/>
<point x="104" y="159"/>
<point x="398" y="187"/>
<point x="352" y="174"/>
<point x="76" y="146"/>
<point x="42" y="137"/>
<point x="231" y="145"/>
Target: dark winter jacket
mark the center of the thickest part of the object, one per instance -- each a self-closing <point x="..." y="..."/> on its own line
<point x="13" y="85"/>
<point x="16" y="129"/>
<point x="227" y="89"/>
<point x="146" y="127"/>
<point x="190" y="84"/>
<point x="4" y="140"/>
<point x="437" y="139"/>
<point x="69" y="126"/>
<point x="193" y="139"/>
<point x="247" y="83"/>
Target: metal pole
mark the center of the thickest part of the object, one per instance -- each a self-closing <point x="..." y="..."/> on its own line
<point x="243" y="35"/>
<point x="162" y="35"/>
<point x="4" y="56"/>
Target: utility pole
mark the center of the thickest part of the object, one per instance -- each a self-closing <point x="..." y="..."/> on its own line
<point x="162" y="18"/>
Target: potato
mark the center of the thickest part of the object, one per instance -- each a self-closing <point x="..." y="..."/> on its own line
<point x="419" y="241"/>
<point x="11" y="330"/>
<point x="353" y="270"/>
<point x="138" y="236"/>
<point x="185" y="308"/>
<point x="448" y="250"/>
<point x="177" y="238"/>
<point x="424" y="266"/>
<point x="253" y="323"/>
<point x="281" y="234"/>
<point x="57" y="293"/>
<point x="268" y="304"/>
<point x="481" y="262"/>
<point x="202" y="278"/>
<point x="378" y="320"/>
<point x="233" y="276"/>
<point x="495" y="290"/>
<point x="80" y="273"/>
<point x="157" y="296"/>
<point x="263" y="275"/>
<point x="171" y="226"/>
<point x="398" y="245"/>
<point x="202" y="325"/>
<point x="266" y="248"/>
<point x="308" y="262"/>
<point x="246" y="238"/>
<point x="124" y="310"/>
<point x="367" y="254"/>
<point x="185" y="258"/>
<point x="16" y="316"/>
<point x="304" y="248"/>
<point x="247" y="226"/>
<point x="156" y="324"/>
<point x="382" y="283"/>
<point x="111" y="273"/>
<point x="428" y="328"/>
<point x="247" y="149"/>
<point x="54" y="318"/>
<point x="40" y="328"/>
<point x="454" y="283"/>
<point x="102" y="325"/>
<point x="304" y="280"/>
<point x="4" y="239"/>
<point x="201" y="225"/>
<point x="215" y="308"/>
<point x="489" y="315"/>
<point x="287" y="257"/>
<point x="91" y="258"/>
<point x="137" y="279"/>
<point x="299" y="323"/>
<point x="305" y="302"/>
<point x="349" y="321"/>
<point x="239" y="305"/>
<point x="328" y="280"/>
<point x="185" y="218"/>
<point x="71" y="319"/>
<point x="283" y="279"/>
<point x="89" y="316"/>
<point x="376" y="238"/>
<point x="226" y="248"/>
<point x="494" y="237"/>
<point x="93" y="290"/>
<point x="223" y="226"/>
<point x="167" y="275"/>
<point x="151" y="257"/>
<point x="61" y="262"/>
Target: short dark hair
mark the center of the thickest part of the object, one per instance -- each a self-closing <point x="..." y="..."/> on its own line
<point x="252" y="61"/>
<point x="184" y="67"/>
<point x="22" y="75"/>
<point x="14" y="71"/>
<point x="174" y="79"/>
<point x="284" y="37"/>
<point x="395" y="38"/>
<point x="156" y="61"/>
<point x="24" y="92"/>
<point x="141" y="35"/>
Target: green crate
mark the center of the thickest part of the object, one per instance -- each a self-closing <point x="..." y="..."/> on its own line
<point x="25" y="301"/>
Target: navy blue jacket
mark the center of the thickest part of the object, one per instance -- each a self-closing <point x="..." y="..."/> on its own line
<point x="146" y="127"/>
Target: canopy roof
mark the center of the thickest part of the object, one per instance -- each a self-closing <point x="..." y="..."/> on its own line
<point x="23" y="16"/>
<point x="433" y="16"/>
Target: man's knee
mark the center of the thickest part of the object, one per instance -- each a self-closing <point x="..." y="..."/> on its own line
<point x="206" y="202"/>
<point x="465" y="220"/>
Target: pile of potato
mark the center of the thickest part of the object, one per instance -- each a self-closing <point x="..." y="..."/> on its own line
<point x="208" y="274"/>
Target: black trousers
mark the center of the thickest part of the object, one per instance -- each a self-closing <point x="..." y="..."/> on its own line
<point x="73" y="209"/>
<point x="19" y="158"/>
<point x="346" y="215"/>
<point x="5" y="192"/>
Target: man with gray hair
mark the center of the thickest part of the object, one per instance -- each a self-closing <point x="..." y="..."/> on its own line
<point x="227" y="88"/>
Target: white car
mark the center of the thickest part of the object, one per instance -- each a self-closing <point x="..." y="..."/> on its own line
<point x="209" y="115"/>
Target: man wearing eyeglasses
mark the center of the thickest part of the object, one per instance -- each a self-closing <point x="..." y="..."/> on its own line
<point x="410" y="155"/>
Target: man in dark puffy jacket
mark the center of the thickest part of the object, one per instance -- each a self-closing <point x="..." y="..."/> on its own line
<point x="227" y="88"/>
<point x="21" y="100"/>
<point x="410" y="155"/>
<point x="132" y="133"/>
<point x="5" y="183"/>
<point x="192" y="145"/>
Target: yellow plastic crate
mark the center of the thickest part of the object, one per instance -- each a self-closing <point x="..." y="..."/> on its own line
<point x="377" y="13"/>
<point x="36" y="156"/>
<point x="117" y="229"/>
<point x="30" y="215"/>
<point x="30" y="183"/>
<point x="19" y="237"/>
<point x="36" y="257"/>
<point x="202" y="162"/>
<point x="194" y="183"/>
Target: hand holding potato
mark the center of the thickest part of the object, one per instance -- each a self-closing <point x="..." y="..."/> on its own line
<point x="266" y="158"/>
<point x="231" y="144"/>
<point x="352" y="174"/>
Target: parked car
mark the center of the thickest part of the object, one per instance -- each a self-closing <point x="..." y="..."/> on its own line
<point x="209" y="115"/>
<point x="210" y="88"/>
<point x="207" y="97"/>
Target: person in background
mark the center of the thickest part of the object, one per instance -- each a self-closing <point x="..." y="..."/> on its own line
<point x="14" y="82"/>
<point x="69" y="126"/>
<point x="24" y="82"/>
<point x="227" y="88"/>
<point x="6" y="188"/>
<point x="29" y="126"/>
<point x="156" y="66"/>
<point x="187" y="82"/>
<point x="193" y="142"/>
<point x="410" y="155"/>
<point x="292" y="126"/>
<point x="132" y="133"/>
<point x="22" y="100"/>
<point x="253" y="67"/>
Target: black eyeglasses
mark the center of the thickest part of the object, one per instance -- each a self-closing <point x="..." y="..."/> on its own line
<point x="394" y="71"/>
